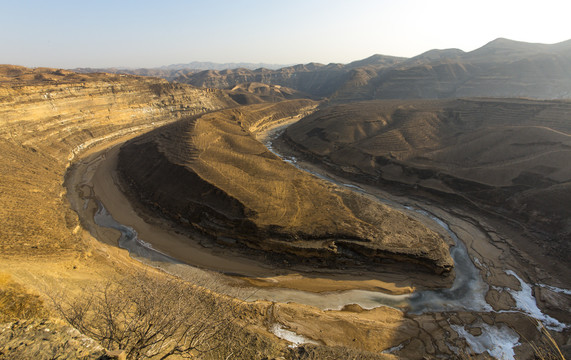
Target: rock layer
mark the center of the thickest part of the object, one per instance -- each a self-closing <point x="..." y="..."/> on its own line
<point x="212" y="174"/>
<point x="502" y="68"/>
<point x="46" y="117"/>
<point x="509" y="157"/>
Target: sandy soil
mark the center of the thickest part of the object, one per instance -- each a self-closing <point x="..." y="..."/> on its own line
<point x="95" y="175"/>
<point x="94" y="178"/>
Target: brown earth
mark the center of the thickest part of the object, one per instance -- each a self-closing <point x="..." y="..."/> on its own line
<point x="47" y="117"/>
<point x="507" y="159"/>
<point x="46" y="248"/>
<point x="355" y="329"/>
<point x="257" y="93"/>
<point x="501" y="68"/>
<point x="45" y="122"/>
<point x="212" y="174"/>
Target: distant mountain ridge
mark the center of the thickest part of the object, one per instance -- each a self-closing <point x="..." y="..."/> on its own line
<point x="501" y="68"/>
<point x="207" y="65"/>
<point x="172" y="71"/>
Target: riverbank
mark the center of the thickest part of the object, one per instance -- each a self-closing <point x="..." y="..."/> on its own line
<point x="285" y="285"/>
<point x="95" y="179"/>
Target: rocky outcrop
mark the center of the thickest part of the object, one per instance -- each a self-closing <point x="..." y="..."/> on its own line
<point x="46" y="339"/>
<point x="47" y="116"/>
<point x="211" y="174"/>
<point x="64" y="111"/>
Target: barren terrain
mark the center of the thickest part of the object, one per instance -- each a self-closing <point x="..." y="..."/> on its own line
<point x="501" y="68"/>
<point x="509" y="158"/>
<point x="212" y="174"/>
<point x="328" y="267"/>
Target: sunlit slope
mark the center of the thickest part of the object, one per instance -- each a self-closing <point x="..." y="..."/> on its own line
<point x="46" y="117"/>
<point x="212" y="174"/>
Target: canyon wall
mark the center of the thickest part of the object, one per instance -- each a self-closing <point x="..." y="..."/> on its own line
<point x="507" y="156"/>
<point x="47" y="116"/>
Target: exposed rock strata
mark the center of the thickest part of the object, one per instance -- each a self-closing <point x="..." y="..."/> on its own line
<point x="47" y="339"/>
<point x="511" y="157"/>
<point x="212" y="174"/>
<point x="47" y="116"/>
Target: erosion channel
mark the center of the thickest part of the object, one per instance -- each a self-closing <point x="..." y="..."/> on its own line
<point x="475" y="296"/>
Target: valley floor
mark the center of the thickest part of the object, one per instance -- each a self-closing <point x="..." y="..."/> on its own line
<point x="493" y="253"/>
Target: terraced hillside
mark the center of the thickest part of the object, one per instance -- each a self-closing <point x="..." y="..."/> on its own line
<point x="57" y="125"/>
<point x="212" y="174"/>
<point x="46" y="117"/>
<point x="509" y="157"/>
<point x="256" y="93"/>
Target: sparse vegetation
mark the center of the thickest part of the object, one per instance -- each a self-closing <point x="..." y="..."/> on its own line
<point x="314" y="352"/>
<point x="17" y="303"/>
<point x="49" y="116"/>
<point x="546" y="347"/>
<point x="150" y="317"/>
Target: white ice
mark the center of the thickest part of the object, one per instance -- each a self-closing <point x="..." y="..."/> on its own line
<point x="496" y="341"/>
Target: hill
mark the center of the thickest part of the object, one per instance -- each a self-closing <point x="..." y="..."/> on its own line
<point x="501" y="68"/>
<point x="509" y="157"/>
<point x="47" y="117"/>
<point x="213" y="175"/>
<point x="257" y="93"/>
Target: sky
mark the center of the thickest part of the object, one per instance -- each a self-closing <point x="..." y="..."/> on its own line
<point x="143" y="33"/>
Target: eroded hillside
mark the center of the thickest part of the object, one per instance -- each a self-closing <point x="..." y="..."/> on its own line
<point x="510" y="157"/>
<point x="47" y="116"/>
<point x="51" y="118"/>
<point x="502" y="68"/>
<point x="212" y="174"/>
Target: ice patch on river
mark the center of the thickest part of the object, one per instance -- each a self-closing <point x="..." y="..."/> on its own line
<point x="468" y="290"/>
<point x="498" y="341"/>
<point x="288" y="335"/>
<point x="526" y="302"/>
<point x="129" y="239"/>
<point x="555" y="289"/>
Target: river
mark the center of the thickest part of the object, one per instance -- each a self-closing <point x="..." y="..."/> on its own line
<point x="467" y="292"/>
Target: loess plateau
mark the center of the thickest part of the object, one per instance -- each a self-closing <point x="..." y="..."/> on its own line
<point x="212" y="174"/>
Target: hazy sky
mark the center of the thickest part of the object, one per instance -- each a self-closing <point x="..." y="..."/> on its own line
<point x="142" y="33"/>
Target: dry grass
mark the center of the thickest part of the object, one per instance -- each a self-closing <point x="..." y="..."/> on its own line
<point x="546" y="348"/>
<point x="506" y="156"/>
<point x="277" y="203"/>
<point x="17" y="303"/>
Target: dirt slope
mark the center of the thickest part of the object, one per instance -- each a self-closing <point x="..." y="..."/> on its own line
<point x="212" y="174"/>
<point x="511" y="157"/>
<point x="46" y="117"/>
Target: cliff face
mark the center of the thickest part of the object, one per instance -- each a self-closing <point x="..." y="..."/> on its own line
<point x="46" y="117"/>
<point x="213" y="175"/>
<point x="61" y="111"/>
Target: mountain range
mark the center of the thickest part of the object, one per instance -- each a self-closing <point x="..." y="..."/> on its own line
<point x="501" y="68"/>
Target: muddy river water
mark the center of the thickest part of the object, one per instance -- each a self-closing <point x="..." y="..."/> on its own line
<point x="467" y="292"/>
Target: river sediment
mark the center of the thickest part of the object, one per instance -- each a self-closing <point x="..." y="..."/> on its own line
<point x="477" y="271"/>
